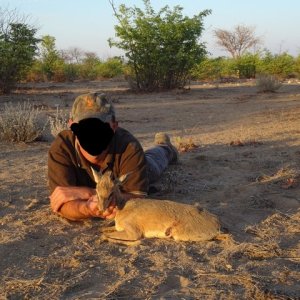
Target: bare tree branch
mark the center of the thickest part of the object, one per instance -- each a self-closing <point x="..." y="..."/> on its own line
<point x="237" y="41"/>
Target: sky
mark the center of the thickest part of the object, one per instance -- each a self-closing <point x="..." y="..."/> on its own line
<point x="88" y="24"/>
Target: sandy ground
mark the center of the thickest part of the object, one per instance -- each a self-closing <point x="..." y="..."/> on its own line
<point x="240" y="160"/>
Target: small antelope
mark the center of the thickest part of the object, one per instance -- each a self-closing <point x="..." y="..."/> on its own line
<point x="149" y="218"/>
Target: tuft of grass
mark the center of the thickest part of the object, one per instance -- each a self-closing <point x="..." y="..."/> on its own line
<point x="185" y="144"/>
<point x="59" y="122"/>
<point x="19" y="122"/>
<point x="284" y="175"/>
<point x="267" y="84"/>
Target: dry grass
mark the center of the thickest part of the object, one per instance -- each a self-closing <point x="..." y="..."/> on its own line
<point x="267" y="84"/>
<point x="287" y="177"/>
<point x="58" y="122"/>
<point x="19" y="122"/>
<point x="277" y="225"/>
<point x="185" y="144"/>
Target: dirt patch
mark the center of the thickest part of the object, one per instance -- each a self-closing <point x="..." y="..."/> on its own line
<point x="240" y="160"/>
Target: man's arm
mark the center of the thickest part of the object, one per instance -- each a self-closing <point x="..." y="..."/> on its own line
<point x="74" y="203"/>
<point x="63" y="183"/>
<point x="78" y="203"/>
<point x="77" y="210"/>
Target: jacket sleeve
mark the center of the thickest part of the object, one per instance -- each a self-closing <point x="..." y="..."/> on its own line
<point x="61" y="165"/>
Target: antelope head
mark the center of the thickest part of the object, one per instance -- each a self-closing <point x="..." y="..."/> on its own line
<point x="107" y="189"/>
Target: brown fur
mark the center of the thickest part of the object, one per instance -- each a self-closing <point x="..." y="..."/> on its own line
<point x="152" y="218"/>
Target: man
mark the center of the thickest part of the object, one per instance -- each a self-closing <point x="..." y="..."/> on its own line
<point x="96" y="141"/>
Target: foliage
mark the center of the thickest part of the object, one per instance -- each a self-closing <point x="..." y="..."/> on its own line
<point x="89" y="67"/>
<point x="215" y="69"/>
<point x="208" y="69"/>
<point x="112" y="67"/>
<point x="35" y="73"/>
<point x="279" y="65"/>
<point x="18" y="46"/>
<point x="248" y="66"/>
<point x="237" y="41"/>
<point x="161" y="47"/>
<point x="245" y="65"/>
<point x="297" y="66"/>
<point x="50" y="58"/>
<point x="19" y="123"/>
<point x="71" y="71"/>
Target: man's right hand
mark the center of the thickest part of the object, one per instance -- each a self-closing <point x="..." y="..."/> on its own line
<point x="62" y="195"/>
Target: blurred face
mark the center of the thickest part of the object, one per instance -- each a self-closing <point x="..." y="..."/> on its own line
<point x="96" y="160"/>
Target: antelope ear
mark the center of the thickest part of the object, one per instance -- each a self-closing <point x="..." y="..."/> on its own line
<point x="97" y="175"/>
<point x="108" y="173"/>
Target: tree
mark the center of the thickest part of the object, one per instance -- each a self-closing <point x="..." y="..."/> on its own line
<point x="89" y="66"/>
<point x="18" y="47"/>
<point x="161" y="47"/>
<point x="72" y="55"/>
<point x="50" y="57"/>
<point x="237" y="41"/>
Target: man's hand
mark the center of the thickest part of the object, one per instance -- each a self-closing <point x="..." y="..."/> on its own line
<point x="62" y="195"/>
<point x="92" y="207"/>
<point x="110" y="212"/>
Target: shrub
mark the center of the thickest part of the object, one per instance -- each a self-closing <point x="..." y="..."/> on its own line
<point x="110" y="68"/>
<point x="71" y="71"/>
<point x="215" y="68"/>
<point x="246" y="65"/>
<point x="297" y="66"/>
<point x="89" y="66"/>
<point x="58" y="122"/>
<point x="267" y="83"/>
<point x="18" y="46"/>
<point x="52" y="63"/>
<point x="208" y="69"/>
<point x="280" y="65"/>
<point x="161" y="47"/>
<point x="19" y="123"/>
<point x="35" y="73"/>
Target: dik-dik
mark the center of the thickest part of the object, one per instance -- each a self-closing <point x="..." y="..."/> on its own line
<point x="140" y="218"/>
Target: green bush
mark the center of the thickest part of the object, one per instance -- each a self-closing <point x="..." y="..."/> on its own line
<point x="297" y="66"/>
<point x="35" y="73"/>
<point x="215" y="68"/>
<point x="161" y="47"/>
<point x="245" y="65"/>
<point x="51" y="62"/>
<point x="89" y="67"/>
<point x="71" y="71"/>
<point x="208" y="69"/>
<point x="248" y="66"/>
<point x="111" y="68"/>
<point x="279" y="65"/>
<point x="18" y="46"/>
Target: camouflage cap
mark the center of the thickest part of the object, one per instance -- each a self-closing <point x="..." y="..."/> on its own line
<point x="92" y="105"/>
